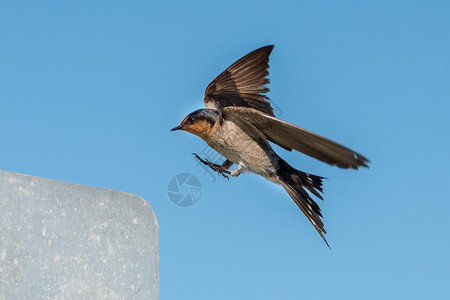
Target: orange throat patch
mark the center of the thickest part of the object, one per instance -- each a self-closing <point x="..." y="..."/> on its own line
<point x="201" y="128"/>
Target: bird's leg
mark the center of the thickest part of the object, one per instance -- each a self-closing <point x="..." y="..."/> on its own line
<point x="236" y="172"/>
<point x="222" y="170"/>
<point x="227" y="164"/>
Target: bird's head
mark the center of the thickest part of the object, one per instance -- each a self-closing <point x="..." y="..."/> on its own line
<point x="199" y="122"/>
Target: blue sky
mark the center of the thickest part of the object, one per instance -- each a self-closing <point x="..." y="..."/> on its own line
<point x="90" y="90"/>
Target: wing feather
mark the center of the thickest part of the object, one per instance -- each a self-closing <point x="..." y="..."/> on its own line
<point x="242" y="84"/>
<point x="289" y="136"/>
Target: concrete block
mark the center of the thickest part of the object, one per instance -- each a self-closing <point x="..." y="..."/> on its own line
<point x="61" y="240"/>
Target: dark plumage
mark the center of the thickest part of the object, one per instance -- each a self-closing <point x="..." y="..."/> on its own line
<point x="242" y="83"/>
<point x="210" y="115"/>
<point x="247" y="124"/>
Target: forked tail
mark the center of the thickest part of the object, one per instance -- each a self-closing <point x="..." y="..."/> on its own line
<point x="295" y="182"/>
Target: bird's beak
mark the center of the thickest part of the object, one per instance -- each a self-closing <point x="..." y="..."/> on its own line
<point x="176" y="128"/>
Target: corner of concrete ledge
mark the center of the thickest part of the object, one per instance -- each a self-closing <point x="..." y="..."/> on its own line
<point x="61" y="240"/>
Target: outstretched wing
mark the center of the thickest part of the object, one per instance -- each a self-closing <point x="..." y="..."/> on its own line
<point x="290" y="137"/>
<point x="242" y="84"/>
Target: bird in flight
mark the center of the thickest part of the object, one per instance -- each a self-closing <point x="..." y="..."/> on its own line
<point x="238" y="122"/>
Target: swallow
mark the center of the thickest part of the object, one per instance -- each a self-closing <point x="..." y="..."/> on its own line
<point x="239" y="123"/>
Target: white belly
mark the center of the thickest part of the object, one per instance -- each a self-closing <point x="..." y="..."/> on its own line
<point x="245" y="147"/>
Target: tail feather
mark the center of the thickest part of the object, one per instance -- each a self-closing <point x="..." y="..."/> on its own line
<point x="295" y="182"/>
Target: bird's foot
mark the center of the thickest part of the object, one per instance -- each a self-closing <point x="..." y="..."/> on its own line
<point x="213" y="166"/>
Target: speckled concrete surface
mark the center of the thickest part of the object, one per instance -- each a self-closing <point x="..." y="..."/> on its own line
<point x="61" y="240"/>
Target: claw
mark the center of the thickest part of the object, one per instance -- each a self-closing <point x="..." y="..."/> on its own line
<point x="213" y="166"/>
